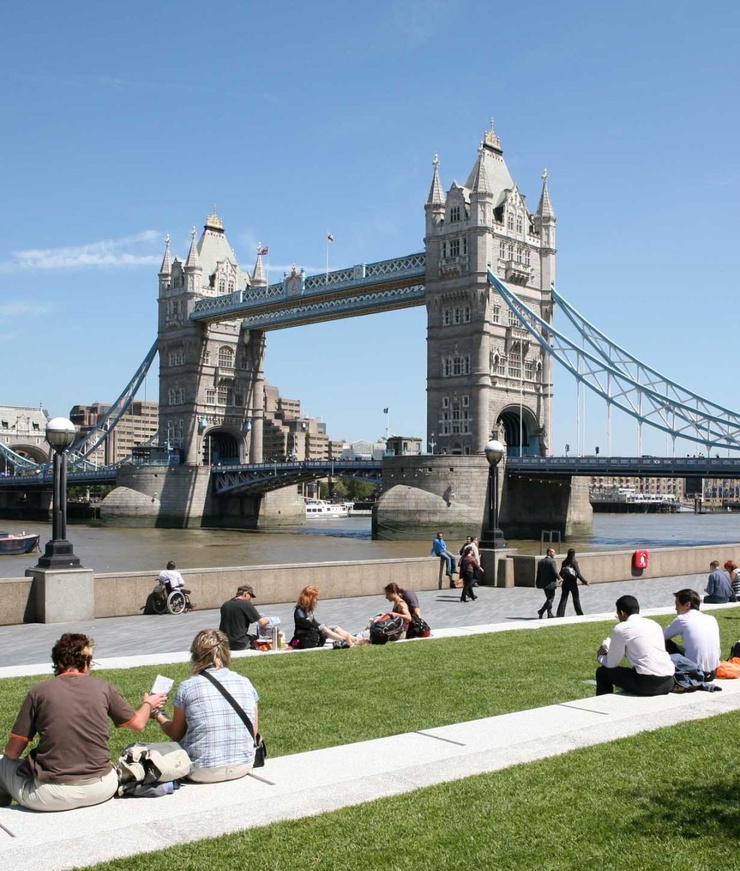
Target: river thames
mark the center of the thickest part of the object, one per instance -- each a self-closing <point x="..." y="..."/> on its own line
<point x="117" y="549"/>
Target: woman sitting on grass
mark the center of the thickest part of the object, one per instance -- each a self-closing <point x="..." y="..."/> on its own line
<point x="204" y="722"/>
<point x="308" y="631"/>
<point x="70" y="766"/>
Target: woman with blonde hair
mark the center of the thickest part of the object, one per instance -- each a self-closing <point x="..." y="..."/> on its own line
<point x="204" y="722"/>
<point x="308" y="631"/>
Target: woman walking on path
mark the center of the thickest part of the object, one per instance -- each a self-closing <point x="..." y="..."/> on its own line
<point x="570" y="572"/>
<point x="469" y="566"/>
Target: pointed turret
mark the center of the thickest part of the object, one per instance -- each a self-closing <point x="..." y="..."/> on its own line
<point x="166" y="268"/>
<point x="435" y="204"/>
<point x="480" y="176"/>
<point x="436" y="194"/>
<point x="193" y="261"/>
<point x="545" y="209"/>
<point x="259" y="277"/>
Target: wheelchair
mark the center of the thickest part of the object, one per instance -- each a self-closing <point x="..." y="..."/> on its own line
<point x="164" y="602"/>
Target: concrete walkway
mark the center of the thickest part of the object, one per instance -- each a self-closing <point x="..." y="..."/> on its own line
<point x="305" y="784"/>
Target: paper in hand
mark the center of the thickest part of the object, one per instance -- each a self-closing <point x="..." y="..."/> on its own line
<point x="162" y="684"/>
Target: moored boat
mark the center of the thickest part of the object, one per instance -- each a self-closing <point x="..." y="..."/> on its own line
<point x="322" y="508"/>
<point x="12" y="543"/>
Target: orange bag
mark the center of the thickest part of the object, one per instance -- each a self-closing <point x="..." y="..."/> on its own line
<point x="728" y="669"/>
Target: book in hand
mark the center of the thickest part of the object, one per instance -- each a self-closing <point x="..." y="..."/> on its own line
<point x="162" y="684"/>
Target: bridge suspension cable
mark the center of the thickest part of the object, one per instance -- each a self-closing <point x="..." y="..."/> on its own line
<point x="624" y="381"/>
<point x="90" y="441"/>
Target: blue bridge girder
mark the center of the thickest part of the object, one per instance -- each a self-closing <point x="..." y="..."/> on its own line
<point x="627" y="467"/>
<point x="255" y="478"/>
<point x="364" y="289"/>
<point x="42" y="478"/>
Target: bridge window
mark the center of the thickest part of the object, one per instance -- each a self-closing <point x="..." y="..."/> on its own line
<point x="511" y="319"/>
<point x="527" y="256"/>
<point x="239" y="399"/>
<point x="454" y="248"/>
<point x="502" y="250"/>
<point x="465" y="401"/>
<point x="510" y="221"/>
<point x="454" y="214"/>
<point x="529" y="370"/>
<point x="445" y="402"/>
<point x="225" y="358"/>
<point x="176" y="357"/>
<point x="500" y="365"/>
<point x="221" y="285"/>
<point x="496" y="317"/>
<point x="515" y="367"/>
<point x="519" y="225"/>
<point x="457" y="316"/>
<point x="175" y="396"/>
<point x="210" y="396"/>
<point x="231" y="287"/>
<point x="511" y="250"/>
<point x="446" y="318"/>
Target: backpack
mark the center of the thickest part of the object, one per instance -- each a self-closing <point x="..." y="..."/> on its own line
<point x="418" y="628"/>
<point x="148" y="770"/>
<point x="735" y="651"/>
<point x="568" y="573"/>
<point x="385" y="628"/>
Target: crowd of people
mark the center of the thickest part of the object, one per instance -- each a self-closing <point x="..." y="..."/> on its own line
<point x="69" y="766"/>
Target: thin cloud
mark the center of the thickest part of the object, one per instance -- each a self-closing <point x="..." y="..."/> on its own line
<point x="16" y="307"/>
<point x="108" y="252"/>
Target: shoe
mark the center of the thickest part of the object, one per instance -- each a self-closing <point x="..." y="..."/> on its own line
<point x="474" y="598"/>
<point x="463" y="600"/>
<point x="550" y="614"/>
<point x="540" y="614"/>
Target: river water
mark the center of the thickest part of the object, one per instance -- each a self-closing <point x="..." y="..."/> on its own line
<point x="117" y="549"/>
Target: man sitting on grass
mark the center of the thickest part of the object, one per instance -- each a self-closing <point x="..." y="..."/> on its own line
<point x="641" y="641"/>
<point x="699" y="633"/>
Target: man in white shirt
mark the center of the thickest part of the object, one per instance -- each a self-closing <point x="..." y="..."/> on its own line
<point x="171" y="578"/>
<point x="641" y="641"/>
<point x="699" y="632"/>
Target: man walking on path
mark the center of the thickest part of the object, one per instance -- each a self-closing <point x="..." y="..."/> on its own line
<point x="719" y="586"/>
<point x="439" y="548"/>
<point x="237" y="615"/>
<point x="641" y="641"/>
<point x="547" y="580"/>
<point x="699" y="633"/>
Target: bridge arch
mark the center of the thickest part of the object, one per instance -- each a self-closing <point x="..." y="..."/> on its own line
<point x="521" y="431"/>
<point x="222" y="445"/>
<point x="33" y="452"/>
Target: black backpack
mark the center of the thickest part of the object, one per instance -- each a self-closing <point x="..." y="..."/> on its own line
<point x="735" y="651"/>
<point x="387" y="627"/>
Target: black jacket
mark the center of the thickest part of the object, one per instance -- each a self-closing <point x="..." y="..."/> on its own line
<point x="547" y="573"/>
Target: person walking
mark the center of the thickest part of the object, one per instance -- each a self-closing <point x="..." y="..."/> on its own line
<point x="570" y="573"/>
<point x="469" y="566"/>
<point x="547" y="580"/>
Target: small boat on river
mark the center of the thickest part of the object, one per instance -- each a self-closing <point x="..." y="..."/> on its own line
<point x="12" y="543"/>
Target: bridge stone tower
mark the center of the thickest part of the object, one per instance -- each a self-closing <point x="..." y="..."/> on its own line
<point x="211" y="382"/>
<point x="485" y="376"/>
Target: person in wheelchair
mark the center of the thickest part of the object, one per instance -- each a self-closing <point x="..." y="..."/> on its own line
<point x="173" y="581"/>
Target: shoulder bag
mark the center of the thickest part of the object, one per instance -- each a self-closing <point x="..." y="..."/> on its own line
<point x="260" y="750"/>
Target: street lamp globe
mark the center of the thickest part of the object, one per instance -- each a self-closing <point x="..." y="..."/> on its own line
<point x="494" y="452"/>
<point x="60" y="433"/>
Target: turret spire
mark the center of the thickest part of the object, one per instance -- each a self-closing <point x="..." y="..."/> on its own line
<point x="545" y="209"/>
<point x="259" y="278"/>
<point x="166" y="267"/>
<point x="480" y="177"/>
<point x="436" y="195"/>
<point x="193" y="261"/>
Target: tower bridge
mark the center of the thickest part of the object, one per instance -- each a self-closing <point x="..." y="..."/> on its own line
<point x="487" y="280"/>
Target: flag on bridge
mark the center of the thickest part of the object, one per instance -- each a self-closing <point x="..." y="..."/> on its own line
<point x="264" y="250"/>
<point x="385" y="411"/>
<point x="329" y="237"/>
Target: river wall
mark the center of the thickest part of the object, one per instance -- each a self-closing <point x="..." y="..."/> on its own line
<point x="124" y="594"/>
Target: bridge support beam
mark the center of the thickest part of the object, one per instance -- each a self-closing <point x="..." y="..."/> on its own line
<point x="531" y="506"/>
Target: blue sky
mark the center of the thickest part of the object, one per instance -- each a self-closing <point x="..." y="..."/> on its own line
<point x="125" y="122"/>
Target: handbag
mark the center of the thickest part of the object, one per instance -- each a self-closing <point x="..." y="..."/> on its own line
<point x="260" y="748"/>
<point x="418" y="628"/>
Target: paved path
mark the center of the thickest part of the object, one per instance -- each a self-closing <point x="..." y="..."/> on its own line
<point x="30" y="644"/>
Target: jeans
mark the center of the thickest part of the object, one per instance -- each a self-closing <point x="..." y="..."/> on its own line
<point x="450" y="561"/>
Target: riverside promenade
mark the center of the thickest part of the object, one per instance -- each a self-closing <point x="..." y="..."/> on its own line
<point x="339" y="776"/>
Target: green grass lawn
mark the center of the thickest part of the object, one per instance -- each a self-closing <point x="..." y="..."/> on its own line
<point x="658" y="799"/>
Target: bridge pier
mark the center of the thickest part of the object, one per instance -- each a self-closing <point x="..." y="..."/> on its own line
<point x="427" y="494"/>
<point x="530" y="505"/>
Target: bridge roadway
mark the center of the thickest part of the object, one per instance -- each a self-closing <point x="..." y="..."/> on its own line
<point x="262" y="477"/>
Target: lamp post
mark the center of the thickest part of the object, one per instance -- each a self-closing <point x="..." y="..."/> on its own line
<point x="60" y="433"/>
<point x="493" y="537"/>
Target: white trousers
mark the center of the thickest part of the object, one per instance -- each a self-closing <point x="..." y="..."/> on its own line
<point x="52" y="796"/>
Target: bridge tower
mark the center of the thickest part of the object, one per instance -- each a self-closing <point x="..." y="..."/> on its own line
<point x="211" y="381"/>
<point x="485" y="377"/>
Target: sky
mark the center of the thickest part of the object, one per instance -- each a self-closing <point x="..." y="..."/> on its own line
<point x="126" y="122"/>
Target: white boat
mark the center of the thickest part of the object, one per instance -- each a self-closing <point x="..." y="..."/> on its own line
<point x="322" y="508"/>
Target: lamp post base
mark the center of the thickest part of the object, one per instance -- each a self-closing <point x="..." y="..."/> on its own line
<point x="59" y="554"/>
<point x="493" y="539"/>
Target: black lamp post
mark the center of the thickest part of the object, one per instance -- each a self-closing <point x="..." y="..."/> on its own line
<point x="60" y="433"/>
<point x="493" y="537"/>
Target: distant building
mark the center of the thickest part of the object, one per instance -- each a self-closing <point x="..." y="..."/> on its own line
<point x="290" y="435"/>
<point x="23" y="430"/>
<point x="403" y="446"/>
<point x="138" y="426"/>
<point x="674" y="487"/>
<point x="364" y="450"/>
